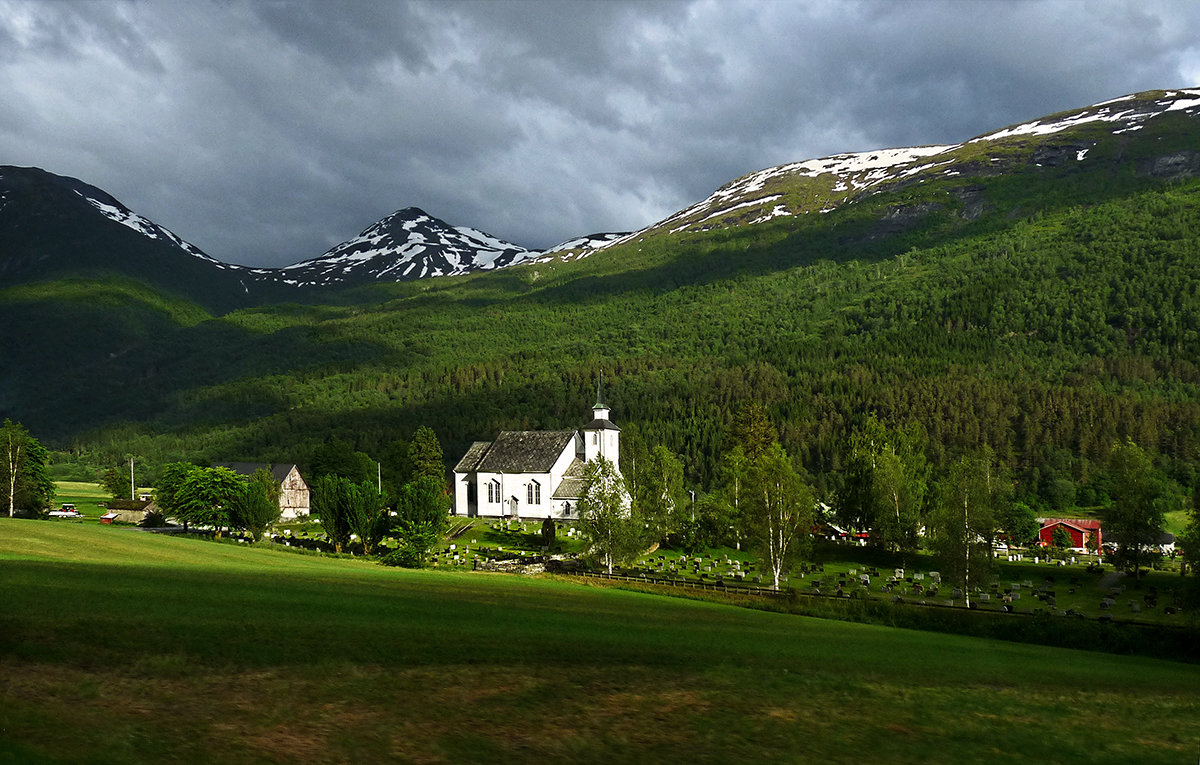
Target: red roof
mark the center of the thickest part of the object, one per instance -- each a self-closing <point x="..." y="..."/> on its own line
<point x="1083" y="524"/>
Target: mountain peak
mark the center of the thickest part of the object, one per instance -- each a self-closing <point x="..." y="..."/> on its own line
<point x="408" y="244"/>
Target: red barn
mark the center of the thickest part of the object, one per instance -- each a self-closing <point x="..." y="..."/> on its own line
<point x="1085" y="534"/>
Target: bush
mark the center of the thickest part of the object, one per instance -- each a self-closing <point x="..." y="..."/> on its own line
<point x="407" y="556"/>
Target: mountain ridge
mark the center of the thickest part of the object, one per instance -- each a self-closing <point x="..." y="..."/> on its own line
<point x="410" y="244"/>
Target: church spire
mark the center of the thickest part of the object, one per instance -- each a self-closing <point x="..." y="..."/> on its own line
<point x="601" y="438"/>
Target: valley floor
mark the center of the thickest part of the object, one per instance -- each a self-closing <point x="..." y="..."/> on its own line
<point x="118" y="646"/>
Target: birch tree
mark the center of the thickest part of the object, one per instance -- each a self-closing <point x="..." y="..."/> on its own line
<point x="778" y="510"/>
<point x="24" y="483"/>
<point x="1139" y="501"/>
<point x="964" y="524"/>
<point x="734" y="469"/>
<point x="605" y="515"/>
<point x="660" y="493"/>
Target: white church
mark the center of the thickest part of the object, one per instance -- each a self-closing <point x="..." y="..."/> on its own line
<point x="533" y="473"/>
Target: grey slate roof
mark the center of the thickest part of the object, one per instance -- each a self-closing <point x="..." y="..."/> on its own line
<point x="523" y="451"/>
<point x="570" y="488"/>
<point x="599" y="424"/>
<point x="470" y="461"/>
<point x="571" y="485"/>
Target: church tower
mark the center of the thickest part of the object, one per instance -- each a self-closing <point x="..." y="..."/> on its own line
<point x="600" y="437"/>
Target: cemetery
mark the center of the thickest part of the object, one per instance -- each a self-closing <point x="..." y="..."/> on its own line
<point x="1029" y="582"/>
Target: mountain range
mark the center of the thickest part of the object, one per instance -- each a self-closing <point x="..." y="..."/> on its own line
<point x="53" y="225"/>
<point x="1036" y="288"/>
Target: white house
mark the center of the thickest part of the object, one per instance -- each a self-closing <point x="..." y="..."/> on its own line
<point x="533" y="474"/>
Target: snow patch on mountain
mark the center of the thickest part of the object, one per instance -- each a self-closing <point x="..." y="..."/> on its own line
<point x="1131" y="116"/>
<point x="148" y="228"/>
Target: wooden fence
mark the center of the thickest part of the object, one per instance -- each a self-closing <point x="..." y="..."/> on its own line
<point x="722" y="586"/>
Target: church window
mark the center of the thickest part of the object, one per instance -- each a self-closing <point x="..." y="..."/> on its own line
<point x="493" y="491"/>
<point x="535" y="493"/>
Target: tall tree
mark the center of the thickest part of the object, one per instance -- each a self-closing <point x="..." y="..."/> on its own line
<point x="605" y="515"/>
<point x="422" y="517"/>
<point x="886" y="482"/>
<point x="25" y="483"/>
<point x="963" y="526"/>
<point x="116" y="482"/>
<point x="778" y="510"/>
<point x="425" y="455"/>
<point x="1138" y="511"/>
<point x="1019" y="523"/>
<point x="330" y="501"/>
<point x="731" y="496"/>
<point x="367" y="514"/>
<point x="258" y="507"/>
<point x="660" y="494"/>
<point x="166" y="493"/>
<point x="209" y="496"/>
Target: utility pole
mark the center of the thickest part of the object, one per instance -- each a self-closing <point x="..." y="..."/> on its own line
<point x="132" y="486"/>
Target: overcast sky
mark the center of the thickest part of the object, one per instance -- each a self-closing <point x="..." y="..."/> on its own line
<point x="266" y="132"/>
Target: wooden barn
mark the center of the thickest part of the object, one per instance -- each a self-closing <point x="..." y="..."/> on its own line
<point x="1085" y="533"/>
<point x="294" y="495"/>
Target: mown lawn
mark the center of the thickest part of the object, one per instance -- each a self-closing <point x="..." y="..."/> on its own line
<point x="120" y="646"/>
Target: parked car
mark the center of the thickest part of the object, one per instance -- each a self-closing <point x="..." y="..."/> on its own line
<point x="66" y="511"/>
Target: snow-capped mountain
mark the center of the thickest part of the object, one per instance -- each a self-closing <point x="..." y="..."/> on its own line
<point x="408" y="244"/>
<point x="825" y="184"/>
<point x="53" y="225"/>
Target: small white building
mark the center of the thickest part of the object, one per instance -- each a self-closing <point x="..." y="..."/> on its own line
<point x="532" y="473"/>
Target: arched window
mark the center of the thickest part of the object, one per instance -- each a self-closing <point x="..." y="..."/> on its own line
<point x="535" y="493"/>
<point x="493" y="491"/>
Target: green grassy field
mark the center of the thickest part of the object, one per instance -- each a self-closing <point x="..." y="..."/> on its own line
<point x="120" y="646"/>
<point x="87" y="497"/>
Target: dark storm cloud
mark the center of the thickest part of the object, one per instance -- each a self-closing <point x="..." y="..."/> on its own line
<point x="266" y="132"/>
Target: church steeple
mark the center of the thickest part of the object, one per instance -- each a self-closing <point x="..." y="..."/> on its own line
<point x="600" y="410"/>
<point x="601" y="438"/>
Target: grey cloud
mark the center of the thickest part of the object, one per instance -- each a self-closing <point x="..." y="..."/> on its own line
<point x="266" y="132"/>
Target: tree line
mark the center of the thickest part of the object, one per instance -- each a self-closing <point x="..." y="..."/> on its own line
<point x="889" y="491"/>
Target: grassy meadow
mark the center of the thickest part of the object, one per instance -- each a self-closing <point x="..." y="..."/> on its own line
<point x="121" y="646"/>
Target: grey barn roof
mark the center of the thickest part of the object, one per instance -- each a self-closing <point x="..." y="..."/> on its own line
<point x="277" y="469"/>
<point x="520" y="451"/>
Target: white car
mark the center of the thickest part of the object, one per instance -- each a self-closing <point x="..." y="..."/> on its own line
<point x="67" y="511"/>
